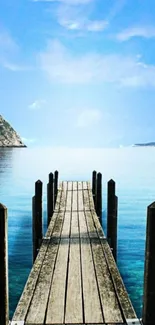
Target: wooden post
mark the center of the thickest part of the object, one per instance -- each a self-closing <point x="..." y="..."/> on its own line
<point x="99" y="197"/>
<point x="55" y="185"/>
<point x="148" y="315"/>
<point x="94" y="186"/>
<point x="4" y="291"/>
<point x="37" y="218"/>
<point x="112" y="205"/>
<point x="50" y="199"/>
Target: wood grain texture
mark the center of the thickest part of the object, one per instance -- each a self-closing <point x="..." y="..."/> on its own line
<point x="74" y="312"/>
<point x="92" y="307"/>
<point x="56" y="303"/>
<point x="36" y="313"/>
<point x="25" y="300"/>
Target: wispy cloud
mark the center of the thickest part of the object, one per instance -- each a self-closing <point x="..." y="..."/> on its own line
<point x="68" y="2"/>
<point x="88" y="117"/>
<point x="15" y="67"/>
<point x="88" y="25"/>
<point x="76" y="18"/>
<point x="7" y="43"/>
<point x="37" y="104"/>
<point x="141" y="31"/>
<point x="63" y="66"/>
<point x="10" y="52"/>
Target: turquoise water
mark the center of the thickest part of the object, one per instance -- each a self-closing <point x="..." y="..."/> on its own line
<point x="131" y="168"/>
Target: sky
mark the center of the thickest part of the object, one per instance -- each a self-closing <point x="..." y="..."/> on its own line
<point x="78" y="73"/>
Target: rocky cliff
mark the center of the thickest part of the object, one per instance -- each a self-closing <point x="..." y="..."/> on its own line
<point x="8" y="136"/>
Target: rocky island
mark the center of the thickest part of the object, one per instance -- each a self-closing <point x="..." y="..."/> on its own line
<point x="8" y="136"/>
<point x="149" y="144"/>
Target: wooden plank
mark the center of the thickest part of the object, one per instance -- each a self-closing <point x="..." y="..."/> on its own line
<point x="75" y="184"/>
<point x="124" y="300"/>
<point x="58" y="201"/>
<point x="74" y="312"/>
<point x="75" y="201"/>
<point x="80" y="186"/>
<point x="86" y="201"/>
<point x="64" y="186"/>
<point x="24" y="302"/>
<point x="69" y="198"/>
<point x="70" y="186"/>
<point x="36" y="313"/>
<point x="108" y="297"/>
<point x="84" y="185"/>
<point x="92" y="307"/>
<point x="80" y="200"/>
<point x="56" y="303"/>
<point x="88" y="197"/>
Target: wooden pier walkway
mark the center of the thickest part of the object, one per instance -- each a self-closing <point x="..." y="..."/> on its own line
<point x="74" y="279"/>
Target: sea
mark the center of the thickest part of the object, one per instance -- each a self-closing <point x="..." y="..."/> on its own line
<point x="133" y="170"/>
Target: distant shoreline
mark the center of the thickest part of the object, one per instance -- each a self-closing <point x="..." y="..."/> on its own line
<point x="24" y="146"/>
<point x="150" y="144"/>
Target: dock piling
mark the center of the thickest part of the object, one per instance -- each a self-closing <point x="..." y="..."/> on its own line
<point x="37" y="218"/>
<point x="99" y="197"/>
<point x="55" y="185"/>
<point x="148" y="316"/>
<point x="50" y="198"/>
<point x="112" y="204"/>
<point x="4" y="292"/>
<point x="94" y="186"/>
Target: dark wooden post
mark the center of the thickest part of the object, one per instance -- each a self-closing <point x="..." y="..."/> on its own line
<point x="4" y="292"/>
<point x="50" y="198"/>
<point x="112" y="218"/>
<point x="99" y="197"/>
<point x="148" y="315"/>
<point x="37" y="218"/>
<point x="55" y="185"/>
<point x="94" y="186"/>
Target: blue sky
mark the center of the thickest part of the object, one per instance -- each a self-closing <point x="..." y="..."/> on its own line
<point x="78" y="73"/>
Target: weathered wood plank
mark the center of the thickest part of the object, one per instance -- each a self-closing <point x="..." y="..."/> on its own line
<point x="70" y="186"/>
<point x="96" y="222"/>
<point x="64" y="185"/>
<point x="74" y="312"/>
<point x="80" y="197"/>
<point x="108" y="297"/>
<point x="92" y="307"/>
<point x="80" y="186"/>
<point x="58" y="200"/>
<point x="74" y="201"/>
<point x="36" y="313"/>
<point x="75" y="184"/>
<point x="124" y="300"/>
<point x="24" y="302"/>
<point x="69" y="198"/>
<point x="56" y="303"/>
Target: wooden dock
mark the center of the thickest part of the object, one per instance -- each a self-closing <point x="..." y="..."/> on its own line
<point x="74" y="279"/>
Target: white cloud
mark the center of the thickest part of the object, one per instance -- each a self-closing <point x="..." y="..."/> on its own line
<point x="128" y="33"/>
<point x="77" y="19"/>
<point x="7" y="43"/>
<point x="62" y="66"/>
<point x="88" y="117"/>
<point x="10" y="52"/>
<point x="37" y="104"/>
<point x="87" y="25"/>
<point x="68" y="2"/>
<point x="14" y="67"/>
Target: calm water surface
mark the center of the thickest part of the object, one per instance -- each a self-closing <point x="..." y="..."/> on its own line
<point x="131" y="168"/>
